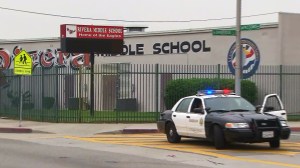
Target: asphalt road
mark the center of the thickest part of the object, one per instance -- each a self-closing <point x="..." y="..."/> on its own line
<point x="240" y="155"/>
<point x="20" y="154"/>
<point x="295" y="137"/>
<point x="138" y="150"/>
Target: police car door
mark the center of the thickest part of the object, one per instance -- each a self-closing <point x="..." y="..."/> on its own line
<point x="195" y="125"/>
<point x="179" y="116"/>
<point x="273" y="105"/>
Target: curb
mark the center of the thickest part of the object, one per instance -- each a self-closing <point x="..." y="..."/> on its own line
<point x="15" y="130"/>
<point x="295" y="129"/>
<point x="138" y="131"/>
<point x="124" y="131"/>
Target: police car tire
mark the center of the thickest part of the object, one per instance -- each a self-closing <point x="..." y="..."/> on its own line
<point x="219" y="139"/>
<point x="172" y="134"/>
<point x="275" y="143"/>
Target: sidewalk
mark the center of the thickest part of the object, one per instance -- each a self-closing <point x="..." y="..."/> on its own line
<point x="76" y="129"/>
<point x="294" y="125"/>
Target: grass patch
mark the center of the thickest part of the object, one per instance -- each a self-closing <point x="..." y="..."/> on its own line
<point x="294" y="117"/>
<point x="84" y="116"/>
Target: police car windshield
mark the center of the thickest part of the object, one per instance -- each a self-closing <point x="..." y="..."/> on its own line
<point x="226" y="104"/>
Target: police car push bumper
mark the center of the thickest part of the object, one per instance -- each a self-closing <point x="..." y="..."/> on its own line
<point x="259" y="135"/>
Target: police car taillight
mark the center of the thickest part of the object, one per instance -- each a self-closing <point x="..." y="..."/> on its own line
<point x="213" y="92"/>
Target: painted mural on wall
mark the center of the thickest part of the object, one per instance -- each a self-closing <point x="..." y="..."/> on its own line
<point x="45" y="58"/>
<point x="250" y="58"/>
<point x="48" y="58"/>
<point x="54" y="57"/>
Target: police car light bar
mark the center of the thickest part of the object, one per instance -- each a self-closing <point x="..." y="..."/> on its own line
<point x="213" y="92"/>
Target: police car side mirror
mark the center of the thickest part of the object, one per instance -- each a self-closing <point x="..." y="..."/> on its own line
<point x="207" y="109"/>
<point x="198" y="110"/>
<point x="257" y="108"/>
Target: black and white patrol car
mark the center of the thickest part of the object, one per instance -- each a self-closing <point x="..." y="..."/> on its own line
<point x="223" y="117"/>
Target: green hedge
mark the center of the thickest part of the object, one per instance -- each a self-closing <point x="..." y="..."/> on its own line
<point x="48" y="102"/>
<point x="179" y="88"/>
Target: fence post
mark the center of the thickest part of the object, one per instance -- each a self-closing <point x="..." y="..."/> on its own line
<point x="80" y="94"/>
<point x="56" y="94"/>
<point x="92" y="59"/>
<point x="43" y="93"/>
<point x="157" y="91"/>
<point x="21" y="100"/>
<point x="2" y="78"/>
<point x="20" y="93"/>
<point x="280" y="80"/>
<point x="118" y="85"/>
<point x="219" y="75"/>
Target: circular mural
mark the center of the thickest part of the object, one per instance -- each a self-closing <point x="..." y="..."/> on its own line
<point x="250" y="58"/>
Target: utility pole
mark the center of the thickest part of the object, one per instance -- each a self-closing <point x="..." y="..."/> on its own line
<point x="238" y="67"/>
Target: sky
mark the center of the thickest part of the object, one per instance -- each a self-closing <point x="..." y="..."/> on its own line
<point x="170" y="14"/>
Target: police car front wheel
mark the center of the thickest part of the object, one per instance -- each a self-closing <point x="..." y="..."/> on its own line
<point x="219" y="139"/>
<point x="172" y="134"/>
<point x="275" y="143"/>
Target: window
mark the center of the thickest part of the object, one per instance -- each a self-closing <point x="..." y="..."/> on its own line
<point x="273" y="102"/>
<point x="184" y="105"/>
<point x="197" y="103"/>
<point x="228" y="103"/>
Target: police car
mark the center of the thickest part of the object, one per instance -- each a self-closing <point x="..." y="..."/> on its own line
<point x="223" y="117"/>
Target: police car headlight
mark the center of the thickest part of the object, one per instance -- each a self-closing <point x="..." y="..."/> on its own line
<point x="283" y="123"/>
<point x="236" y="125"/>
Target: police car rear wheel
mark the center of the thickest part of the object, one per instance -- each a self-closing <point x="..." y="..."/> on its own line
<point x="219" y="139"/>
<point x="275" y="143"/>
<point x="172" y="134"/>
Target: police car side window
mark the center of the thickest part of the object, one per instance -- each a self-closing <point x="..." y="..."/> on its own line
<point x="184" y="105"/>
<point x="274" y="103"/>
<point x="197" y="103"/>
